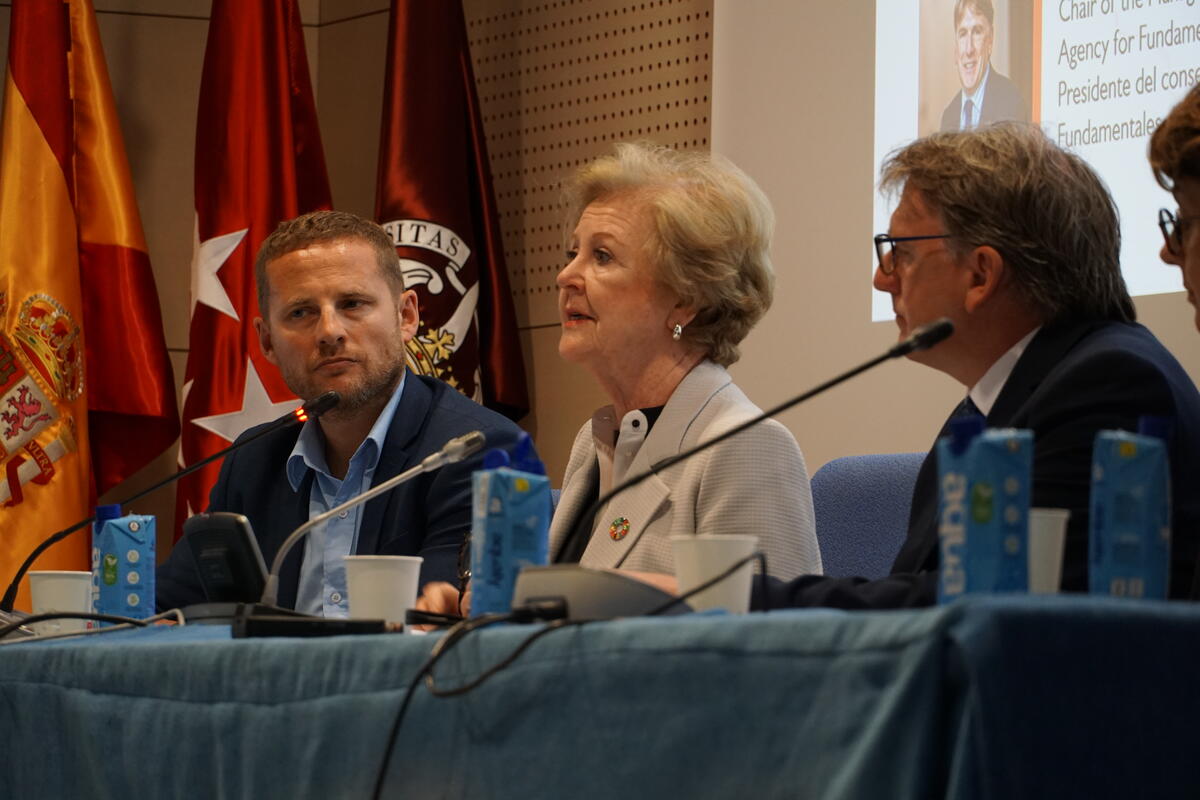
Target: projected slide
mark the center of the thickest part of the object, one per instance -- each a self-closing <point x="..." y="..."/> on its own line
<point x="1097" y="75"/>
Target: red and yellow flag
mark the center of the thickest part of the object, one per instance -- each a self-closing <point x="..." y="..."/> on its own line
<point x="86" y="393"/>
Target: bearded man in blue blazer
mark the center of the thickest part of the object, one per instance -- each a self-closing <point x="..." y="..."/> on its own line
<point x="336" y="316"/>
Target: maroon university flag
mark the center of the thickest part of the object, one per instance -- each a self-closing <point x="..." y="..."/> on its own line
<point x="258" y="162"/>
<point x="434" y="196"/>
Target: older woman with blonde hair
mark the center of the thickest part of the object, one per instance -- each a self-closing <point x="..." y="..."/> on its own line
<point x="667" y="271"/>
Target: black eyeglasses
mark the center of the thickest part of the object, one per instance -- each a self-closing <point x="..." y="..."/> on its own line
<point x="884" y="245"/>
<point x="1172" y="226"/>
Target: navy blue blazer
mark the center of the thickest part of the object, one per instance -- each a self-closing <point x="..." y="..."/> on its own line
<point x="428" y="516"/>
<point x="1074" y="379"/>
<point x="1001" y="100"/>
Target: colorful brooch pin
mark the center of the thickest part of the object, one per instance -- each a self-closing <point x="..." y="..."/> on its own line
<point x="619" y="529"/>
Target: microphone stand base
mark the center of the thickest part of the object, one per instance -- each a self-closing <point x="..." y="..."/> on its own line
<point x="592" y="593"/>
<point x="226" y="613"/>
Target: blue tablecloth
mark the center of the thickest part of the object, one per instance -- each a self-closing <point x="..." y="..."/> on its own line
<point x="990" y="698"/>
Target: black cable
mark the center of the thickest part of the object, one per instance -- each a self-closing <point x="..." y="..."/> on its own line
<point x="457" y="634"/>
<point x="377" y="792"/>
<point x="563" y="623"/>
<point x="131" y="624"/>
<point x="451" y="637"/>
<point x="12" y="626"/>
<point x="555" y="625"/>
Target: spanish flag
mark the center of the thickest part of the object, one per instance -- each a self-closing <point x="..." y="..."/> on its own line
<point x="86" y="392"/>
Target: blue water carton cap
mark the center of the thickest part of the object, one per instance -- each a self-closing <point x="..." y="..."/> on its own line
<point x="106" y="512"/>
<point x="524" y="457"/>
<point x="963" y="431"/>
<point x="495" y="458"/>
<point x="521" y="457"/>
<point x="1158" y="427"/>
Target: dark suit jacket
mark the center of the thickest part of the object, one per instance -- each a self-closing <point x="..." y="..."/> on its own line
<point x="427" y="516"/>
<point x="1074" y="379"/>
<point x="1001" y="100"/>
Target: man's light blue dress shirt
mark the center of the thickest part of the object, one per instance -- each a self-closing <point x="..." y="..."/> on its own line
<point x="322" y="589"/>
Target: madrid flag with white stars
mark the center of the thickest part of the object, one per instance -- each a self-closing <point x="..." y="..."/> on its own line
<point x="258" y="162"/>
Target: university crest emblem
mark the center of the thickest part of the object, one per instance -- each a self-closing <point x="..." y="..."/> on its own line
<point x="433" y="258"/>
<point x="41" y="372"/>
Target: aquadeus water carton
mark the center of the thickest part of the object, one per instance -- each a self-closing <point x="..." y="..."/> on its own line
<point x="985" y="479"/>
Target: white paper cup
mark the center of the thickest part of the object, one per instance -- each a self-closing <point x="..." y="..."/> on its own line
<point x="1047" y="535"/>
<point x="701" y="558"/>
<point x="61" y="591"/>
<point x="382" y="587"/>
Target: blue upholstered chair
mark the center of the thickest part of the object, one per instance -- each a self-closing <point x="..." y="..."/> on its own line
<point x="862" y="505"/>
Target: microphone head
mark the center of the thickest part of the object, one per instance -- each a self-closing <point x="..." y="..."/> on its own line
<point x="464" y="446"/>
<point x="925" y="337"/>
<point x="318" y="405"/>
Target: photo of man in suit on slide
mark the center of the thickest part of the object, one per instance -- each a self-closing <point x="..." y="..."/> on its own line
<point x="986" y="95"/>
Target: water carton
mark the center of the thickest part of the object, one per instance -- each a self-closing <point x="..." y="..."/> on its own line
<point x="510" y="529"/>
<point x="984" y="498"/>
<point x="1129" y="537"/>
<point x="123" y="563"/>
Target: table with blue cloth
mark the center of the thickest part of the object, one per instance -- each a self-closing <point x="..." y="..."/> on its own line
<point x="996" y="697"/>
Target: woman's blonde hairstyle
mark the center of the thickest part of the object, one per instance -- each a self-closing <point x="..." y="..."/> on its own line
<point x="711" y="235"/>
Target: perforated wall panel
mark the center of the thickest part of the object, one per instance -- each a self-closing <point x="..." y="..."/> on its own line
<point x="559" y="82"/>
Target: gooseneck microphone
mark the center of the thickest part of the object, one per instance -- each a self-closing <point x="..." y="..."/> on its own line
<point x="313" y="408"/>
<point x="453" y="451"/>
<point x="922" y="338"/>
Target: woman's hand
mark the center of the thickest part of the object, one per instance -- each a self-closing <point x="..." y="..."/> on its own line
<point x="440" y="597"/>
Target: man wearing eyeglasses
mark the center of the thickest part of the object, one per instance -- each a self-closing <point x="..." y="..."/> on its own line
<point x="1175" y="159"/>
<point x="986" y="96"/>
<point x="1017" y="242"/>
